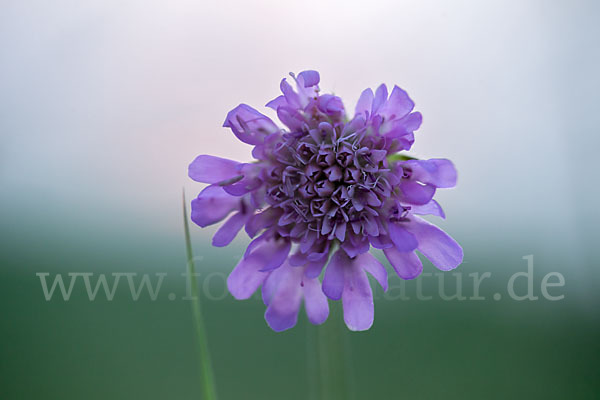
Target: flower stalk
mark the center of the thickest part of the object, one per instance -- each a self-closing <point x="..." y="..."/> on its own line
<point x="334" y="359"/>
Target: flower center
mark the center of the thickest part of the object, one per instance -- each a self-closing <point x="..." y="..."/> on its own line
<point x="329" y="180"/>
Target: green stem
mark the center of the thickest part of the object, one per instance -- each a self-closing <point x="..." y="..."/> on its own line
<point x="400" y="157"/>
<point x="312" y="362"/>
<point x="349" y="364"/>
<point x="207" y="378"/>
<point x="335" y="372"/>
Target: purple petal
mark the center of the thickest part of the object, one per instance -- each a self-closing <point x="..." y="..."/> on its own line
<point x="355" y="246"/>
<point x="290" y="95"/>
<point x="406" y="264"/>
<point x="380" y="97"/>
<point x="412" y="121"/>
<point x="229" y="230"/>
<point x="402" y="239"/>
<point x="406" y="142"/>
<point x="309" y="78"/>
<point x="330" y="104"/>
<point x="212" y="205"/>
<point x="380" y="242"/>
<point x="277" y="102"/>
<point x="244" y="186"/>
<point x="364" y="104"/>
<point x="249" y="125"/>
<point x="438" y="172"/>
<point x="340" y="231"/>
<point x="298" y="259"/>
<point x="357" y="299"/>
<point x="333" y="281"/>
<point x="314" y="268"/>
<point x="315" y="301"/>
<point x="256" y="243"/>
<point x="370" y="225"/>
<point x="403" y="128"/>
<point x="282" y="312"/>
<point x="246" y="277"/>
<point x="271" y="284"/>
<point x="436" y="245"/>
<point x="308" y="241"/>
<point x="210" y="169"/>
<point x="274" y="254"/>
<point x="372" y="265"/>
<point x="290" y="118"/>
<point x="378" y="155"/>
<point x="262" y="220"/>
<point x="431" y="208"/>
<point x="357" y="123"/>
<point x="415" y="193"/>
<point x="397" y="106"/>
<point x="319" y="251"/>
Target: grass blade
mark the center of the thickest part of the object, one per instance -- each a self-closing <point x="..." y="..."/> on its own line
<point x="207" y="378"/>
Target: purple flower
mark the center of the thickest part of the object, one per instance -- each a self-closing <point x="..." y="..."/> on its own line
<point x="327" y="185"/>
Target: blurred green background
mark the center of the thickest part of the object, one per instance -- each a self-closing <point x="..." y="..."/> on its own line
<point x="105" y="103"/>
<point x="416" y="348"/>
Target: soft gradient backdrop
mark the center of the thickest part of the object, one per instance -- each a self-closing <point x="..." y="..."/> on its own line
<point x="104" y="103"/>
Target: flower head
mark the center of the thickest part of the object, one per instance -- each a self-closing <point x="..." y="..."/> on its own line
<point x="319" y="194"/>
